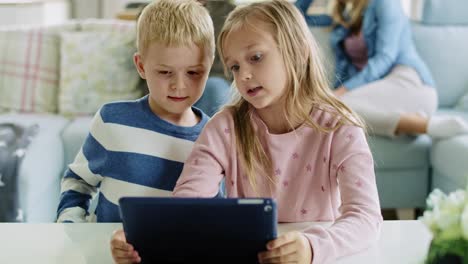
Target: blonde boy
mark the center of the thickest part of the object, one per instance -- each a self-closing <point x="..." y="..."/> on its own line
<point x="138" y="147"/>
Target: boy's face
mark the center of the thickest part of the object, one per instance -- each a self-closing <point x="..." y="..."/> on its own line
<point x="176" y="77"/>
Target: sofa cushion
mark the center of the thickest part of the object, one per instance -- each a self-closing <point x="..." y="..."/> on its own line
<point x="108" y="25"/>
<point x="73" y="137"/>
<point x="452" y="112"/>
<point x="40" y="172"/>
<point x="449" y="160"/>
<point x="462" y="104"/>
<point x="403" y="152"/>
<point x="448" y="157"/>
<point x="29" y="67"/>
<point x="441" y="47"/>
<point x="445" y="12"/>
<point x="96" y="68"/>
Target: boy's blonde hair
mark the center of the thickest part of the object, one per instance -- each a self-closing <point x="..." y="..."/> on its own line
<point x="175" y="23"/>
<point x="349" y="15"/>
<point x="308" y="85"/>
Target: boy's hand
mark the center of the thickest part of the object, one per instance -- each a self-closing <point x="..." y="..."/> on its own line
<point x="292" y="247"/>
<point x="122" y="252"/>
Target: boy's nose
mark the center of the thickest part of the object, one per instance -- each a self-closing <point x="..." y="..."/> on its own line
<point x="178" y="83"/>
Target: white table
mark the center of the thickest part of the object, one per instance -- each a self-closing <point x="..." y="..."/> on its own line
<point x="400" y="242"/>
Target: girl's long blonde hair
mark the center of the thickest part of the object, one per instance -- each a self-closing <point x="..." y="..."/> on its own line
<point x="307" y="81"/>
<point x="349" y="14"/>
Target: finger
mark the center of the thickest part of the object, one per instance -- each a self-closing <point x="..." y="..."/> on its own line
<point x="121" y="245"/>
<point x="119" y="234"/>
<point x="282" y="240"/>
<point x="290" y="258"/>
<point x="123" y="261"/>
<point x="124" y="253"/>
<point x="280" y="251"/>
<point x="127" y="258"/>
<point x="127" y="261"/>
<point x="119" y="241"/>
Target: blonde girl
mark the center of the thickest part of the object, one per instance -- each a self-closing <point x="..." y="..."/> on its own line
<point x="287" y="137"/>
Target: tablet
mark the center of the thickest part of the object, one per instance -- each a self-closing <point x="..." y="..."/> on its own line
<point x="198" y="230"/>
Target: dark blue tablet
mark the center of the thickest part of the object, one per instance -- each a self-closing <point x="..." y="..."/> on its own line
<point x="198" y="230"/>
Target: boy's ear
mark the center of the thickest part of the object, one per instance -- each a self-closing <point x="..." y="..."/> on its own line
<point x="139" y="65"/>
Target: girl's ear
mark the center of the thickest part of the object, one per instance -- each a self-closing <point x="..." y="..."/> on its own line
<point x="139" y="65"/>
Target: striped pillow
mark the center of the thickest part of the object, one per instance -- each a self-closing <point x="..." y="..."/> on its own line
<point x="29" y="68"/>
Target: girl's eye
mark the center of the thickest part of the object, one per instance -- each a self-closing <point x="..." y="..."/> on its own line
<point x="192" y="73"/>
<point x="234" y="68"/>
<point x="256" y="57"/>
<point x="163" y="72"/>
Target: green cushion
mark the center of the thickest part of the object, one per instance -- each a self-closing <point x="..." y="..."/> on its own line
<point x="449" y="160"/>
<point x="405" y="152"/>
<point x="445" y="12"/>
<point x="442" y="49"/>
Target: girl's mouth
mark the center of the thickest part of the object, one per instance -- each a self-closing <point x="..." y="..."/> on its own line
<point x="254" y="91"/>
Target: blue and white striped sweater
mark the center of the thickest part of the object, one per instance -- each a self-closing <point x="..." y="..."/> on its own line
<point x="129" y="152"/>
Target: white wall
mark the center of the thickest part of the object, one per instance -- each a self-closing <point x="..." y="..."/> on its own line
<point x="99" y="8"/>
<point x="85" y="8"/>
<point x="47" y="12"/>
<point x="112" y="7"/>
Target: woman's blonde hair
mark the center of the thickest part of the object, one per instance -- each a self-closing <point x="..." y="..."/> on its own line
<point x="349" y="14"/>
<point x="175" y="23"/>
<point x="307" y="81"/>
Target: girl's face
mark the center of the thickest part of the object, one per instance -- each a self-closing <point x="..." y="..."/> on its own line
<point x="257" y="66"/>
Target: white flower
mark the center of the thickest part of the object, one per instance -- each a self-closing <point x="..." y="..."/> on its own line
<point x="447" y="217"/>
<point x="430" y="221"/>
<point x="435" y="198"/>
<point x="464" y="222"/>
<point x="456" y="199"/>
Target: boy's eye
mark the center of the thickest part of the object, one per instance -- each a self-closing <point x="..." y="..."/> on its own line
<point x="234" y="68"/>
<point x="256" y="57"/>
<point x="164" y="72"/>
<point x="192" y="73"/>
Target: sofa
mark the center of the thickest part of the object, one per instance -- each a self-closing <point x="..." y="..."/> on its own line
<point x="57" y="77"/>
<point x="407" y="167"/>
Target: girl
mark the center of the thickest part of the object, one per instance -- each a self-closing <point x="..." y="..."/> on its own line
<point x="287" y="137"/>
<point x="379" y="72"/>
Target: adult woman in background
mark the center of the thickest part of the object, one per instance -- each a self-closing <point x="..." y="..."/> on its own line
<point x="379" y="73"/>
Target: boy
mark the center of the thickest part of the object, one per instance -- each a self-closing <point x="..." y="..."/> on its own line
<point x="137" y="148"/>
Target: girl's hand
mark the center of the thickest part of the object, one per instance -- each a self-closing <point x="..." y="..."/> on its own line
<point x="122" y="252"/>
<point x="292" y="247"/>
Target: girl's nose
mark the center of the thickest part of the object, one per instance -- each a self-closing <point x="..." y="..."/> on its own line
<point x="246" y="75"/>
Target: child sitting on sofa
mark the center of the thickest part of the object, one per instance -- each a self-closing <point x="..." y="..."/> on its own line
<point x="137" y="148"/>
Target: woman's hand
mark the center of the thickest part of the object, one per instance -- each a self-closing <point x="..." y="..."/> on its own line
<point x="122" y="252"/>
<point x="292" y="247"/>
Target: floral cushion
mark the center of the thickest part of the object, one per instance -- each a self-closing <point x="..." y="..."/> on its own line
<point x="96" y="68"/>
